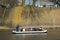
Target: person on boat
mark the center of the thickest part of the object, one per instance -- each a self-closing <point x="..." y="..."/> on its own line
<point x="17" y="27"/>
<point x="23" y="29"/>
<point x="40" y="29"/>
<point x="33" y="29"/>
<point x="30" y="29"/>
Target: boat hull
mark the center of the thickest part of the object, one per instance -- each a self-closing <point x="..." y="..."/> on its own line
<point x="29" y="32"/>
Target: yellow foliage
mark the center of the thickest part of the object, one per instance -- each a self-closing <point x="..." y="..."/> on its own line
<point x="17" y="14"/>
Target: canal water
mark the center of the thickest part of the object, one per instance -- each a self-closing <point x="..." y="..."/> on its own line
<point x="52" y="34"/>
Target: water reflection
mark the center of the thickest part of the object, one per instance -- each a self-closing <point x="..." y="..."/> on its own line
<point x="30" y="36"/>
<point x="52" y="34"/>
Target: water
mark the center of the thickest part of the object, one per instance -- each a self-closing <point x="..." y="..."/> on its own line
<point x="53" y="34"/>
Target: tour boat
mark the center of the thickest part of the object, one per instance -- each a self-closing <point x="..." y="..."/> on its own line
<point x="28" y="32"/>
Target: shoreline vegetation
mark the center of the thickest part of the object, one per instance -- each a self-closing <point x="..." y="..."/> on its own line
<point x="45" y="27"/>
<point x="4" y="27"/>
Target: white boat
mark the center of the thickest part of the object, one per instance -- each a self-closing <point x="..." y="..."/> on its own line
<point x="29" y="32"/>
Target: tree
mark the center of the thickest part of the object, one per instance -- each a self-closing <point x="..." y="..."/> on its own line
<point x="55" y="2"/>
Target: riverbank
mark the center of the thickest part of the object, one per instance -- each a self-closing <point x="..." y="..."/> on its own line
<point x="4" y="27"/>
<point x="43" y="26"/>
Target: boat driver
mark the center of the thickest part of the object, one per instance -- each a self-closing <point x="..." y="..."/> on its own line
<point x="17" y="27"/>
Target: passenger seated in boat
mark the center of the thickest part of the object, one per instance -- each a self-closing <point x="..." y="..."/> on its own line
<point x="40" y="29"/>
<point x="29" y="29"/>
<point x="17" y="28"/>
<point x="34" y="29"/>
<point x="21" y="29"/>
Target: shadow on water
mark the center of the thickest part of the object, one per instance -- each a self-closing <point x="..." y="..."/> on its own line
<point x="52" y="34"/>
